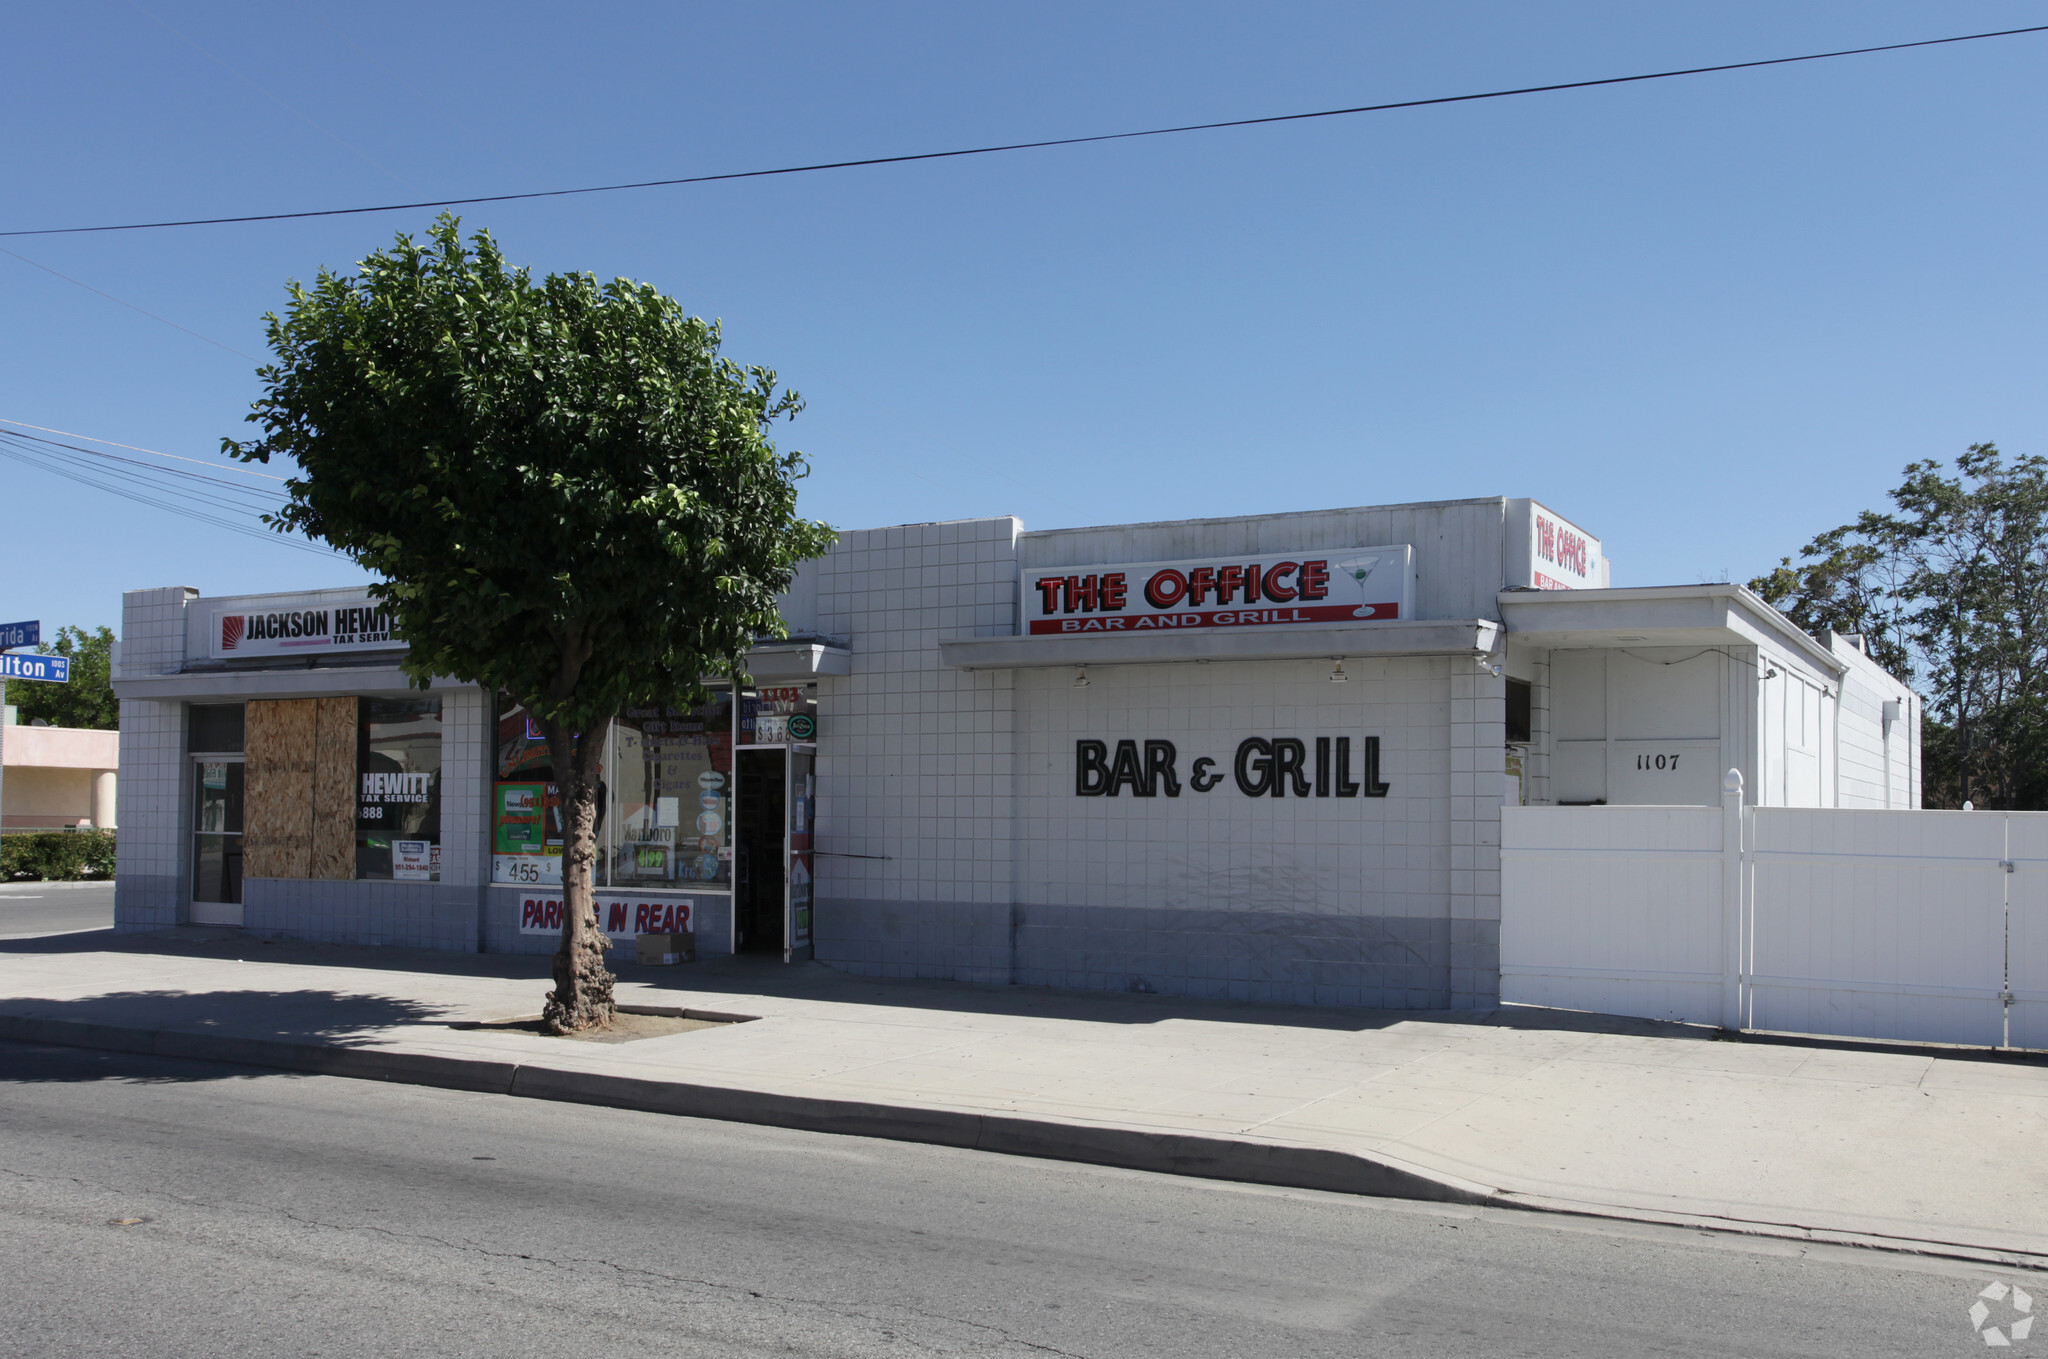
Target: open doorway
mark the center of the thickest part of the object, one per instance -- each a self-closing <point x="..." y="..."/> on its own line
<point x="759" y="852"/>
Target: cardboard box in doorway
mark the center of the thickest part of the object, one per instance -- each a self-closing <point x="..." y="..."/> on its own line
<point x="660" y="950"/>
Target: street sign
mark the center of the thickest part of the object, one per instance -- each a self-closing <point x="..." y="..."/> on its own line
<point x="21" y="634"/>
<point x="49" y="669"/>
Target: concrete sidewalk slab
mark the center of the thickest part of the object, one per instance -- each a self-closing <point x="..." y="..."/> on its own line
<point x="1914" y="1148"/>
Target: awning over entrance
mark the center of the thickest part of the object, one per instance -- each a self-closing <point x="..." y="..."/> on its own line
<point x="1655" y="615"/>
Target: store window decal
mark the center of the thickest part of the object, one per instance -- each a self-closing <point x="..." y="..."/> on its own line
<point x="664" y="799"/>
<point x="398" y="794"/>
<point x="779" y="716"/>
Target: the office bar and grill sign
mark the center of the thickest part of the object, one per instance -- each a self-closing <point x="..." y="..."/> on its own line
<point x="313" y="629"/>
<point x="1339" y="586"/>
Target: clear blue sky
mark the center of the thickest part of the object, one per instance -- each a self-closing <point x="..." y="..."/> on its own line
<point x="1704" y="317"/>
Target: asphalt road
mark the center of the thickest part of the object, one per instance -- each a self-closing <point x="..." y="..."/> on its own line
<point x="174" y="1208"/>
<point x="55" y="907"/>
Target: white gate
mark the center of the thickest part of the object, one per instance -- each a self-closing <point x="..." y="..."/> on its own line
<point x="1877" y="924"/>
<point x="2026" y="976"/>
<point x="1922" y="925"/>
<point x="1617" y="909"/>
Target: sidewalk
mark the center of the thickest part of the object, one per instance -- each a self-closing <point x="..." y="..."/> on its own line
<point x="1911" y="1148"/>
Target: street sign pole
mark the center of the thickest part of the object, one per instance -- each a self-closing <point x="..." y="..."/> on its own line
<point x="48" y="669"/>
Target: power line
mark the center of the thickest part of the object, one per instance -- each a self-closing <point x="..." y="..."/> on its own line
<point x="230" y="506"/>
<point x="114" y="480"/>
<point x="262" y="495"/>
<point x="132" y="448"/>
<point x="1037" y="145"/>
<point x="271" y="95"/>
<point x="130" y="305"/>
<point x="247" y="530"/>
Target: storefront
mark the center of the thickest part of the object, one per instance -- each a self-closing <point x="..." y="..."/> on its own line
<point x="704" y="821"/>
<point x="1259" y="757"/>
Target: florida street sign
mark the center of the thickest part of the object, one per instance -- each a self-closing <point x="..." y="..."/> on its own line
<point x="48" y="669"/>
<point x="20" y="634"/>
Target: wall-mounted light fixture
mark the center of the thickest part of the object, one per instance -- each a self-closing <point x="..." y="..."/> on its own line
<point x="1081" y="678"/>
<point x="1337" y="676"/>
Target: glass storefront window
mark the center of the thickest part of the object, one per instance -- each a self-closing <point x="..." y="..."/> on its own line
<point x="670" y="820"/>
<point x="779" y="716"/>
<point x="217" y="830"/>
<point x="526" y="805"/>
<point x="664" y="814"/>
<point x="215" y="728"/>
<point x="398" y="804"/>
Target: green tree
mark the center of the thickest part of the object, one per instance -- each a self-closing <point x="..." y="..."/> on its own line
<point x="1850" y="580"/>
<point x="571" y="498"/>
<point x="88" y="699"/>
<point x="1951" y="588"/>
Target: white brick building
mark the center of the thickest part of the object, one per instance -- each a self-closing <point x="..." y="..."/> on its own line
<point x="1258" y="757"/>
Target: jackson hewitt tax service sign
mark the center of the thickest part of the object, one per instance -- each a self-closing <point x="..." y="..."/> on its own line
<point x="1341" y="585"/>
<point x="311" y="628"/>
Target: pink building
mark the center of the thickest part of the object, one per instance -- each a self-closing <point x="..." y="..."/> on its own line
<point x="58" y="777"/>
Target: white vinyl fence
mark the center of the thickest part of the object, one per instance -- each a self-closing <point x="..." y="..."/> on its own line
<point x="1876" y="924"/>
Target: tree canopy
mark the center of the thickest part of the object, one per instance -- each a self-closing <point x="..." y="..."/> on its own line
<point x="1950" y="589"/>
<point x="570" y="496"/>
<point x="88" y="700"/>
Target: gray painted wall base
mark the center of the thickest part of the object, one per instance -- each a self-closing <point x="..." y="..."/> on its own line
<point x="1278" y="957"/>
<point x="389" y="914"/>
<point x="147" y="901"/>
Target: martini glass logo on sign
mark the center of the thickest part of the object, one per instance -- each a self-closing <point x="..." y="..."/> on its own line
<point x="1359" y="571"/>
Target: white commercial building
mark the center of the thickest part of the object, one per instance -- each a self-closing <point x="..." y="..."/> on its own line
<point x="1259" y="757"/>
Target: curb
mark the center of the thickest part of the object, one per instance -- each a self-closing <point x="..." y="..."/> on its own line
<point x="1169" y="1153"/>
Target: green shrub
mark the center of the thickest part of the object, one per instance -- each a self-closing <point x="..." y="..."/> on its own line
<point x="57" y="855"/>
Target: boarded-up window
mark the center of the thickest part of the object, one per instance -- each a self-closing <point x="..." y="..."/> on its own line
<point x="277" y="837"/>
<point x="299" y="788"/>
<point x="334" y="794"/>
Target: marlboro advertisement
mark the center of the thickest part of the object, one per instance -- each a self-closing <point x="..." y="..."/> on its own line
<point x="1341" y="586"/>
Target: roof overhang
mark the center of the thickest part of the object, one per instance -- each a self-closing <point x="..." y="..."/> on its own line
<point x="1656" y="615"/>
<point x="221" y="685"/>
<point x="1456" y="637"/>
<point x="798" y="660"/>
<point x="768" y="662"/>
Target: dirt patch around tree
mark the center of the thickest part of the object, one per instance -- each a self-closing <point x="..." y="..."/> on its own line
<point x="633" y="1023"/>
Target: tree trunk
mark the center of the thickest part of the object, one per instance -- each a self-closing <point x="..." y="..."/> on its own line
<point x="582" y="998"/>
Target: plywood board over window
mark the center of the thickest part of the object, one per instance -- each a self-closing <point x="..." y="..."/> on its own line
<point x="277" y="840"/>
<point x="334" y="789"/>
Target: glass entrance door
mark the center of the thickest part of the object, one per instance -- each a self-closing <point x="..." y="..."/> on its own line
<point x="802" y="802"/>
<point x="217" y="842"/>
<point x="777" y="810"/>
<point x="760" y="851"/>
